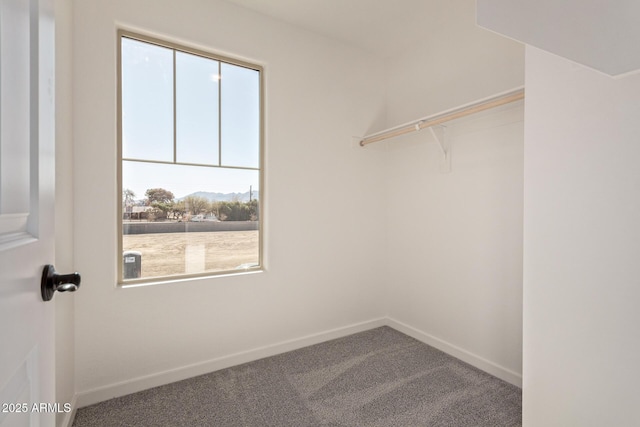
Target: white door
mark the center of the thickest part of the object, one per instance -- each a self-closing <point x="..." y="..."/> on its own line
<point x="26" y="211"/>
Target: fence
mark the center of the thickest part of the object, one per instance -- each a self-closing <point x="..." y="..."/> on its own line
<point x="186" y="227"/>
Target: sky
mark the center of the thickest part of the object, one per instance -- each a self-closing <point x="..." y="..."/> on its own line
<point x="204" y="133"/>
<point x="185" y="180"/>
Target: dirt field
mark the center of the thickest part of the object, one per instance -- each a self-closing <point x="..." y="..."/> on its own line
<point x="165" y="254"/>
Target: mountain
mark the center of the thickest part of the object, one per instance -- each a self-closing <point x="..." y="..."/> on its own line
<point x="224" y="197"/>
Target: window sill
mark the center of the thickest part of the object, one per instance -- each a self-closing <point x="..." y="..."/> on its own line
<point x="167" y="281"/>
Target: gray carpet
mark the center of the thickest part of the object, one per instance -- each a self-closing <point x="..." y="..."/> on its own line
<point x="375" y="378"/>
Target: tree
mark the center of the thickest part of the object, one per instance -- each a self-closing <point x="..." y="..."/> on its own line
<point x="128" y="196"/>
<point x="222" y="210"/>
<point x="159" y="195"/>
<point x="161" y="200"/>
<point x="237" y="211"/>
<point x="178" y="210"/>
<point x="253" y="210"/>
<point x="196" y="205"/>
<point x="128" y="200"/>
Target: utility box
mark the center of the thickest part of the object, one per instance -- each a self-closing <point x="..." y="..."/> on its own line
<point x="132" y="264"/>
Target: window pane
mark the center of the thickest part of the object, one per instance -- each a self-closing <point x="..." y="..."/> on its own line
<point x="197" y="92"/>
<point x="240" y="116"/>
<point x="183" y="211"/>
<point x="210" y="225"/>
<point x="147" y="101"/>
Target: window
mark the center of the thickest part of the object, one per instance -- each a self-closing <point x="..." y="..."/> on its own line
<point x="190" y="162"/>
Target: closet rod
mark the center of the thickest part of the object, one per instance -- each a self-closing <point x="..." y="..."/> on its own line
<point x="416" y="125"/>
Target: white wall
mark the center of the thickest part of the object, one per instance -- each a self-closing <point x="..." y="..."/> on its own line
<point x="323" y="208"/>
<point x="455" y="241"/>
<point x="374" y="232"/>
<point x="581" y="245"/>
<point x="64" y="303"/>
<point x="459" y="63"/>
<point x="454" y="259"/>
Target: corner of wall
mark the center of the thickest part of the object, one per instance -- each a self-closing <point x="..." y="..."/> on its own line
<point x="64" y="258"/>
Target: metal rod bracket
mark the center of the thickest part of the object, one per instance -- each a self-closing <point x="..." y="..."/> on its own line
<point x="439" y="141"/>
<point x="443" y="144"/>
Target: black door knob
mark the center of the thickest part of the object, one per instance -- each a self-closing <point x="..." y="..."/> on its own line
<point x="52" y="281"/>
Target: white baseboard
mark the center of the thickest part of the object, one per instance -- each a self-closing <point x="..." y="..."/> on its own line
<point x="459" y="353"/>
<point x="67" y="420"/>
<point x="134" y="385"/>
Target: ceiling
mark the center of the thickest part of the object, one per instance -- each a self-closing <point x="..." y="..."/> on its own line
<point x="382" y="27"/>
<point x="590" y="32"/>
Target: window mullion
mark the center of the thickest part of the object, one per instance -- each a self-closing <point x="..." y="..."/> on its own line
<point x="175" y="114"/>
<point x="219" y="113"/>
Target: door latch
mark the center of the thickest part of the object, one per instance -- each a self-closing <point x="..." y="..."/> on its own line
<point x="52" y="282"/>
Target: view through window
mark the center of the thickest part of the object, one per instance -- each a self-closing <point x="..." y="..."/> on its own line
<point x="190" y="162"/>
